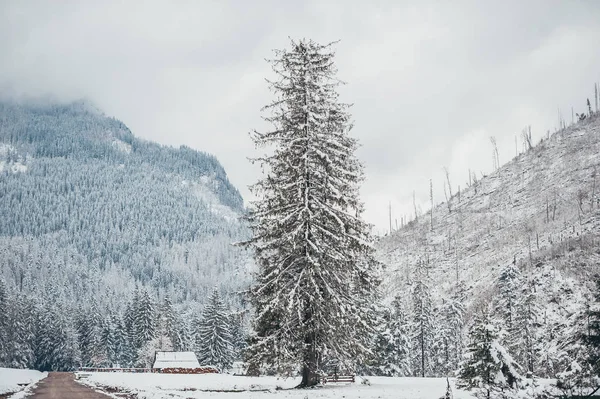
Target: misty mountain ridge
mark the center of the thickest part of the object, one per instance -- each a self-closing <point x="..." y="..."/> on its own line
<point x="88" y="211"/>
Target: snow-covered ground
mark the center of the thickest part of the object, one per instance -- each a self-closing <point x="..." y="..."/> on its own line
<point x="155" y="386"/>
<point x="11" y="378"/>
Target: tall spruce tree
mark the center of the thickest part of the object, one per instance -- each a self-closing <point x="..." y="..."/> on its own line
<point x="311" y="245"/>
<point x="488" y="367"/>
<point x="525" y="335"/>
<point x="452" y="312"/>
<point x="393" y="351"/>
<point x="144" y="320"/>
<point x="214" y="335"/>
<point x="509" y="285"/>
<point x="422" y="327"/>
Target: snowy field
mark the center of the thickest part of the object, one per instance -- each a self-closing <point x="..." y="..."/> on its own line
<point x="155" y="386"/>
<point x="11" y="378"/>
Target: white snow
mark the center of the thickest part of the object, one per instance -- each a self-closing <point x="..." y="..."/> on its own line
<point x="155" y="386"/>
<point x="203" y="191"/>
<point x="121" y="146"/>
<point x="15" y="166"/>
<point x="11" y="378"/>
<point x="176" y="360"/>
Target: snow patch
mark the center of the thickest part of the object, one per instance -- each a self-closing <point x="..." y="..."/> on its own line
<point x="122" y="146"/>
<point x="11" y="378"/>
<point x="203" y="190"/>
<point x="13" y="166"/>
<point x="155" y="386"/>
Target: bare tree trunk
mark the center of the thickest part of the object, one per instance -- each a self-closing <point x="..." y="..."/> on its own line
<point x="390" y="217"/>
<point x="448" y="180"/>
<point x="593" y="188"/>
<point x="554" y="208"/>
<point x="415" y="206"/>
<point x="431" y="199"/>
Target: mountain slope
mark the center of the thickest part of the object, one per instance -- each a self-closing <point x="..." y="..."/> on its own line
<point x="540" y="213"/>
<point x="88" y="211"/>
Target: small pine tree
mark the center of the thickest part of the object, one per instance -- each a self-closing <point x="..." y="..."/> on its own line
<point x="143" y="320"/>
<point x="524" y="339"/>
<point x="422" y="328"/>
<point x="488" y="367"/>
<point x="238" y="335"/>
<point x="398" y="356"/>
<point x="214" y="335"/>
<point x="3" y="324"/>
<point x="509" y="284"/>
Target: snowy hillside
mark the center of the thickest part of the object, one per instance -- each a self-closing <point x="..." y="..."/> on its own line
<point x="540" y="213"/>
<point x="89" y="213"/>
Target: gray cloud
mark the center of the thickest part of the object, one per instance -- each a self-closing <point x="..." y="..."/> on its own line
<point x="430" y="81"/>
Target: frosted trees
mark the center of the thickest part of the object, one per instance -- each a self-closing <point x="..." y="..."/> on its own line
<point x="488" y="366"/>
<point x="509" y="287"/>
<point x="144" y="320"/>
<point x="311" y="245"/>
<point x="397" y="359"/>
<point x="3" y="323"/>
<point x="525" y="333"/>
<point x="214" y="335"/>
<point x="422" y="328"/>
<point x="451" y="339"/>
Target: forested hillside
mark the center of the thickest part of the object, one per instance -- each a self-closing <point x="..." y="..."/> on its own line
<point x="521" y="244"/>
<point x="89" y="212"/>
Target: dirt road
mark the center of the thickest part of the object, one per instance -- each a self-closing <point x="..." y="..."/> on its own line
<point x="63" y="386"/>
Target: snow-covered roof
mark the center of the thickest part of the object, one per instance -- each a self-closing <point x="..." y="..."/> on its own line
<point x="185" y="360"/>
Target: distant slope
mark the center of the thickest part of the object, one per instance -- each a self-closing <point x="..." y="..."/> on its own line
<point x="541" y="211"/>
<point x="88" y="211"/>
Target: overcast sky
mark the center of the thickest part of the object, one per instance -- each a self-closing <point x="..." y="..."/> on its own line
<point x="430" y="81"/>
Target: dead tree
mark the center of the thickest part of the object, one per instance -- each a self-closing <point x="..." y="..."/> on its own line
<point x="495" y="157"/>
<point x="431" y="200"/>
<point x="415" y="206"/>
<point x="596" y="95"/>
<point x="448" y="180"/>
<point x="580" y="198"/>
<point x="593" y="189"/>
<point x="390" y="214"/>
<point x="526" y="136"/>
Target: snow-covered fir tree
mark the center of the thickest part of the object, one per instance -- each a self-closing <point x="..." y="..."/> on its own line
<point x="422" y="326"/>
<point x="509" y="286"/>
<point x="169" y="324"/>
<point x="393" y="349"/>
<point x="144" y="318"/>
<point x="488" y="367"/>
<point x="311" y="245"/>
<point x="214" y="335"/>
<point x="525" y="338"/>
<point x="450" y="333"/>
<point x="238" y="334"/>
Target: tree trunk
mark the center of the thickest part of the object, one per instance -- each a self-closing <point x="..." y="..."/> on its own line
<point x="310" y="377"/>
